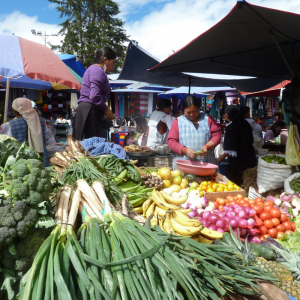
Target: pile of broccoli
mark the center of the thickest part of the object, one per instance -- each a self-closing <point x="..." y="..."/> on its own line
<point x="30" y="182"/>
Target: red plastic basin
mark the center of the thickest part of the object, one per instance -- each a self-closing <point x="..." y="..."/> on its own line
<point x="198" y="168"/>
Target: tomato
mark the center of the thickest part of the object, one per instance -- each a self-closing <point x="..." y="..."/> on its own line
<point x="229" y="198"/>
<point x="280" y="235"/>
<point x="221" y="207"/>
<point x="240" y="202"/>
<point x="263" y="230"/>
<point x="259" y="200"/>
<point x="239" y="196"/>
<point x="216" y="204"/>
<point x="275" y="212"/>
<point x="266" y="236"/>
<point x="262" y="238"/>
<point x="288" y="232"/>
<point x="246" y="204"/>
<point x="268" y="208"/>
<point x="275" y="221"/>
<point x="258" y="221"/>
<point x="272" y="233"/>
<point x="293" y="226"/>
<point x="251" y="201"/>
<point x="268" y="203"/>
<point x="233" y="202"/>
<point x="265" y="216"/>
<point x="280" y="228"/>
<point x="283" y="217"/>
<point x="268" y="224"/>
<point x="247" y="199"/>
<point x="287" y="225"/>
<point x="258" y="209"/>
<point x="222" y="201"/>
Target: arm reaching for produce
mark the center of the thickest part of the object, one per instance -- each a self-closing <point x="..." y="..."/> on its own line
<point x="222" y="157"/>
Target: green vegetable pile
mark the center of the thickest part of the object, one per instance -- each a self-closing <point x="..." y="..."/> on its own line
<point x="292" y="241"/>
<point x="274" y="159"/>
<point x="8" y="146"/>
<point x="295" y="185"/>
<point x="116" y="166"/>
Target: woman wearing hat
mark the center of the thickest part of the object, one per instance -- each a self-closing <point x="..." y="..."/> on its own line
<point x="192" y="132"/>
<point x="27" y="126"/>
<point x="238" y="145"/>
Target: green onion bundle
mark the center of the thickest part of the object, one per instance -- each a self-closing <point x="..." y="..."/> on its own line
<point x="113" y="257"/>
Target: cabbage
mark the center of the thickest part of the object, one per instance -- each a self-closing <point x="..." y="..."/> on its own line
<point x="291" y="240"/>
<point x="8" y="146"/>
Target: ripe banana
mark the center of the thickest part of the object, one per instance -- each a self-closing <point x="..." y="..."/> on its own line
<point x="179" y="213"/>
<point x="162" y="212"/>
<point x="154" y="220"/>
<point x="160" y="201"/>
<point x="167" y="226"/>
<point x="161" y="222"/>
<point x="138" y="209"/>
<point x="150" y="210"/>
<point x="190" y="222"/>
<point x="211" y="234"/>
<point x="203" y="240"/>
<point x="173" y="200"/>
<point x="185" y="230"/>
<point x="146" y="205"/>
<point x="185" y="211"/>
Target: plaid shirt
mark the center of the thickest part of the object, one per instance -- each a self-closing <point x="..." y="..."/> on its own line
<point x="97" y="146"/>
<point x="19" y="129"/>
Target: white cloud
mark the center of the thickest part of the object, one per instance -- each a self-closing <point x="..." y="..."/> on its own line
<point x="181" y="21"/>
<point x="52" y="5"/>
<point x="21" y="25"/>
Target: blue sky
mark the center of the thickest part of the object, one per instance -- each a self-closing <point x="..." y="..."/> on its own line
<point x="160" y="26"/>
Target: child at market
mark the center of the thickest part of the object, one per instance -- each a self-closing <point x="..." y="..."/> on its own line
<point x="129" y="139"/>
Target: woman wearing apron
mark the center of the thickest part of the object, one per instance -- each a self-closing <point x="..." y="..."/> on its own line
<point x="194" y="131"/>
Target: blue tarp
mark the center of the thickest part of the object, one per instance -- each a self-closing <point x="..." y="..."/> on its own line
<point x="75" y="65"/>
<point x="182" y="92"/>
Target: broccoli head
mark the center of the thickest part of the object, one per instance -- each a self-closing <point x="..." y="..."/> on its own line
<point x="7" y="235"/>
<point x="31" y="182"/>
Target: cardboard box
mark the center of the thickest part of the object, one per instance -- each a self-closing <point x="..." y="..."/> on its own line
<point x="214" y="196"/>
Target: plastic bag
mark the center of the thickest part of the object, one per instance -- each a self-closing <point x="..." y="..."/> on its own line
<point x="287" y="187"/>
<point x="292" y="158"/>
<point x="271" y="176"/>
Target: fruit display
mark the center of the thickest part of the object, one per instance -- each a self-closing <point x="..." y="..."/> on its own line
<point x="152" y="181"/>
<point x="295" y="185"/>
<point x="171" y="217"/>
<point x="274" y="159"/>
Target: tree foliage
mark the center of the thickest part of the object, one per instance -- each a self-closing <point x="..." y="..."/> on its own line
<point x="90" y="25"/>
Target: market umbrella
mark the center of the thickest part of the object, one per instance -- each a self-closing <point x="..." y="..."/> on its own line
<point x="71" y="61"/>
<point x="138" y="60"/>
<point x="250" y="41"/>
<point x="183" y="91"/>
<point x="20" y="57"/>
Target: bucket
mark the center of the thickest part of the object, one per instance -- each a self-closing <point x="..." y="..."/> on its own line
<point x="223" y="168"/>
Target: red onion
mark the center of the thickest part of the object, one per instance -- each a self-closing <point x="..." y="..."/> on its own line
<point x="225" y="207"/>
<point x="221" y="215"/>
<point x="213" y="219"/>
<point x="192" y="214"/>
<point x="236" y="218"/>
<point x="221" y="230"/>
<point x="243" y="232"/>
<point x="243" y="214"/>
<point x="243" y="223"/>
<point x="216" y="211"/>
<point x="252" y="232"/>
<point x="236" y="233"/>
<point x="194" y="207"/>
<point x="235" y="205"/>
<point x="200" y="219"/>
<point x="247" y="209"/>
<point x="185" y="205"/>
<point x="270" y="198"/>
<point x="238" y="209"/>
<point x="205" y="223"/>
<point x="251" y="222"/>
<point x="204" y="202"/>
<point x="220" y="224"/>
<point x="233" y="223"/>
<point x="286" y="197"/>
<point x="230" y="209"/>
<point x="230" y="214"/>
<point x="206" y="215"/>
<point x="251" y="212"/>
<point x="201" y="214"/>
<point x="213" y="227"/>
<point x="255" y="240"/>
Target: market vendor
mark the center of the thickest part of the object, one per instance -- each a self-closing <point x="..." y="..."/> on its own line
<point x="157" y="136"/>
<point x="194" y="131"/>
<point x="255" y="127"/>
<point x="238" y="145"/>
<point x="27" y="126"/>
<point x="274" y="131"/>
<point x="92" y="114"/>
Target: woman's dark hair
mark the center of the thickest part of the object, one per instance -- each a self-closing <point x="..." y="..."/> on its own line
<point x="189" y="101"/>
<point x="104" y="52"/>
<point x="245" y="109"/>
<point x="277" y="124"/>
<point x="132" y="133"/>
<point x="140" y="123"/>
<point x="234" y="112"/>
<point x="164" y="103"/>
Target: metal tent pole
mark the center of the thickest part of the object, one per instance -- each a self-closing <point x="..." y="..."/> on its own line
<point x="6" y="99"/>
<point x="190" y="82"/>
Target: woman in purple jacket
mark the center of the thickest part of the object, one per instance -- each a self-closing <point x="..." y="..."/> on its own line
<point x="92" y="112"/>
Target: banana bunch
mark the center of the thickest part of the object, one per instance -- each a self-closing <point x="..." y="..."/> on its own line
<point x="167" y="213"/>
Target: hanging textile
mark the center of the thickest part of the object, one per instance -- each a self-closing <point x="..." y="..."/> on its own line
<point x="116" y="106"/>
<point x="150" y="103"/>
<point x="74" y="101"/>
<point x="121" y="105"/>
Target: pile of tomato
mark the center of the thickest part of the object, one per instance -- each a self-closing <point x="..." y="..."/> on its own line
<point x="269" y="220"/>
